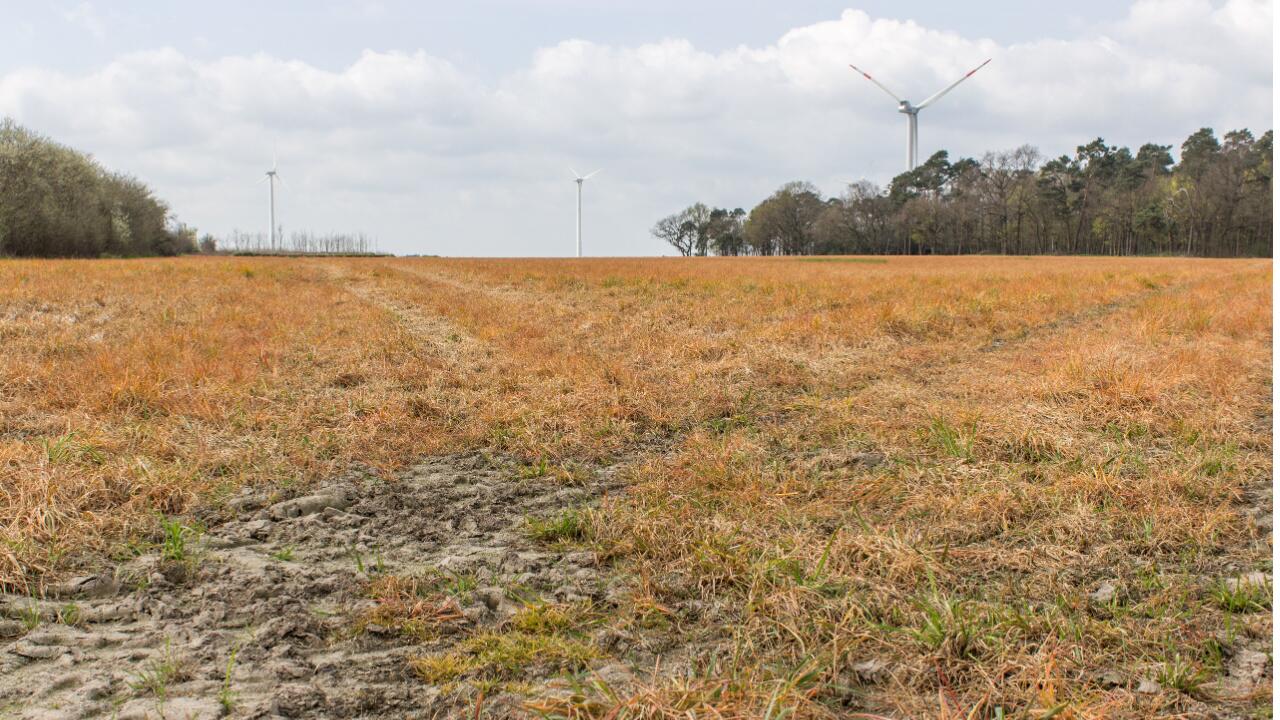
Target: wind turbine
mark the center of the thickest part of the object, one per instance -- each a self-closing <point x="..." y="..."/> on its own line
<point x="270" y="179"/>
<point x="580" y="179"/>
<point x="912" y="111"/>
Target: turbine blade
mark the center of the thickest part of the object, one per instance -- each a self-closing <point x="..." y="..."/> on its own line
<point x="575" y="173"/>
<point x="588" y="175"/>
<point x="948" y="88"/>
<point x="877" y="82"/>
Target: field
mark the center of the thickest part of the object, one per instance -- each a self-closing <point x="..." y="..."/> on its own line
<point x="733" y="488"/>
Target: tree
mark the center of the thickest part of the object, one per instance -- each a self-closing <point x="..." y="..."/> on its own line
<point x="1155" y="160"/>
<point x="784" y="223"/>
<point x="726" y="231"/>
<point x="697" y="218"/>
<point x="855" y="223"/>
<point x="687" y="230"/>
<point x="1198" y="153"/>
<point x="672" y="230"/>
<point x="56" y="201"/>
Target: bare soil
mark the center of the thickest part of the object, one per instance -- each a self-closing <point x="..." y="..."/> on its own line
<point x="263" y="619"/>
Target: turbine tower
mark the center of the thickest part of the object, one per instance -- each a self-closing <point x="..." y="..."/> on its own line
<point x="270" y="179"/>
<point x="580" y="179"/>
<point x="912" y="111"/>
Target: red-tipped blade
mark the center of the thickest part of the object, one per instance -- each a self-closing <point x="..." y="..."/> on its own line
<point x="867" y="75"/>
<point x="948" y="88"/>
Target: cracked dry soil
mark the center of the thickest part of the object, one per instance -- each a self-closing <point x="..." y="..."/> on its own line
<point x="263" y="621"/>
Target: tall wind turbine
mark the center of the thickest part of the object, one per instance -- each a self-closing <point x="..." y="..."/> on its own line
<point x="912" y="111"/>
<point x="580" y="179"/>
<point x="270" y="179"/>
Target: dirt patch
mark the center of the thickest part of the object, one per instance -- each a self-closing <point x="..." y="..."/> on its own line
<point x="268" y="612"/>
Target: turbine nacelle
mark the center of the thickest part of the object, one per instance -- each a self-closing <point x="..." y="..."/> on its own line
<point x="913" y="111"/>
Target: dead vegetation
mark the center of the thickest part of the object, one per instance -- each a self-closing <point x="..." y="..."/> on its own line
<point x="950" y="487"/>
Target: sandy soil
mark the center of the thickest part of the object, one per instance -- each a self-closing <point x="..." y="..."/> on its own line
<point x="280" y="582"/>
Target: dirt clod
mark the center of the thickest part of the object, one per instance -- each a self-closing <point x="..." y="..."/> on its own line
<point x="1248" y="666"/>
<point x="1247" y="581"/>
<point x="1147" y="686"/>
<point x="1105" y="593"/>
<point x="309" y="505"/>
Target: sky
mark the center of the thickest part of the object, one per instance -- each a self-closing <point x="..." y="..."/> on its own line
<point x="451" y="128"/>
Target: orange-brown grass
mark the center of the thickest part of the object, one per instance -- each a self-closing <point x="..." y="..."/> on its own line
<point x="1045" y="423"/>
<point x="1119" y="445"/>
<point x="409" y="606"/>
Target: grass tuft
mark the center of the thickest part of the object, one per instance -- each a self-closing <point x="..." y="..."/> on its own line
<point x="1242" y="597"/>
<point x="508" y="656"/>
<point x="567" y="526"/>
<point x="956" y="442"/>
<point x="411" y="607"/>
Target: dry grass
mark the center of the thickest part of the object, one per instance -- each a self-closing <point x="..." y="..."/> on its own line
<point x="414" y="607"/>
<point x="1044" y="424"/>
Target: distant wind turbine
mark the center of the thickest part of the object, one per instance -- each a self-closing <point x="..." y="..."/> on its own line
<point x="580" y="179"/>
<point x="270" y="179"/>
<point x="911" y="111"/>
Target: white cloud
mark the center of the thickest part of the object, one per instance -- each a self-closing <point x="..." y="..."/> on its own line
<point x="432" y="159"/>
<point x="84" y="16"/>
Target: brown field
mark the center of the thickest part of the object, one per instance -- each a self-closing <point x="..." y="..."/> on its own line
<point x="890" y="486"/>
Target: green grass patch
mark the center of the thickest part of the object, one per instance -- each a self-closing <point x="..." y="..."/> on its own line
<point x="954" y="441"/>
<point x="569" y="526"/>
<point x="175" y="539"/>
<point x="1241" y="597"/>
<point x="505" y="657"/>
<point x="550" y="619"/>
<point x="70" y="448"/>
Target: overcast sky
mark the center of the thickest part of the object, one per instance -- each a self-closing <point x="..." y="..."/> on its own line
<point x="449" y="129"/>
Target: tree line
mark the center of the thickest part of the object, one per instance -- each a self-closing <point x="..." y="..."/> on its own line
<point x="1215" y="200"/>
<point x="56" y="201"/>
<point x="296" y="243"/>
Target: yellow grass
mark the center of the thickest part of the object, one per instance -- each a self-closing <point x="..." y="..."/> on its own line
<point x="1045" y="423"/>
